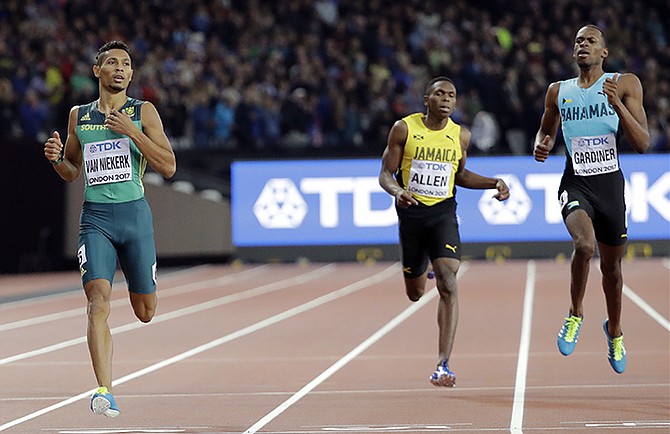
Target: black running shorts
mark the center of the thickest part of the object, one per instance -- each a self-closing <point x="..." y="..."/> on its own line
<point x="602" y="197"/>
<point x="427" y="233"/>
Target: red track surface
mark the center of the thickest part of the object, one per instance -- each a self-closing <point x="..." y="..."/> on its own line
<point x="326" y="348"/>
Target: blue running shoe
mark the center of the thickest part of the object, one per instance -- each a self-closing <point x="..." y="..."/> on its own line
<point x="567" y="337"/>
<point x="616" y="352"/>
<point x="103" y="402"/>
<point x="443" y="377"/>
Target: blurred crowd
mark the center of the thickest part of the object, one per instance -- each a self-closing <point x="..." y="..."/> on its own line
<point x="254" y="74"/>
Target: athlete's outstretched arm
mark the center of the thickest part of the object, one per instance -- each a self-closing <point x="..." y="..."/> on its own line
<point x="472" y="180"/>
<point x="546" y="135"/>
<point x="468" y="179"/>
<point x="66" y="158"/>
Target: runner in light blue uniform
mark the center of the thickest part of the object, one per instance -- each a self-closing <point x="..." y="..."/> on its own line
<point x="591" y="145"/>
<point x="592" y="179"/>
<point x="592" y="108"/>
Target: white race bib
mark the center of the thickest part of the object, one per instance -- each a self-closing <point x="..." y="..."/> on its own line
<point x="594" y="155"/>
<point x="108" y="161"/>
<point x="430" y="178"/>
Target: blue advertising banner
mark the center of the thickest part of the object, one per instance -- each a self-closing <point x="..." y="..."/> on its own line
<point x="340" y="202"/>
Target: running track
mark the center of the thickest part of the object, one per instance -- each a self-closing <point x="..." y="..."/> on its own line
<point x="337" y="348"/>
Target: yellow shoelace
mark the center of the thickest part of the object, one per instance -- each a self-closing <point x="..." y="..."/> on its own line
<point x="573" y="325"/>
<point x="619" y="350"/>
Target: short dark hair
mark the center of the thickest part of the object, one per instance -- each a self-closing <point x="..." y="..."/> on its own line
<point x="602" y="33"/>
<point x="437" y="79"/>
<point x="111" y="45"/>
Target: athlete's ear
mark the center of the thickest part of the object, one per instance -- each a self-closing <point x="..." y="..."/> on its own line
<point x="605" y="53"/>
<point x="96" y="70"/>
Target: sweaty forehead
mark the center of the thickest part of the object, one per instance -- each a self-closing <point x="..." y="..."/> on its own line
<point x="115" y="53"/>
<point x="445" y="86"/>
<point x="586" y="32"/>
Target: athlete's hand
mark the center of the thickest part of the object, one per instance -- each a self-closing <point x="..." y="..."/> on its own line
<point x="611" y="89"/>
<point x="120" y="122"/>
<point x="53" y="148"/>
<point x="542" y="149"/>
<point x="503" y="190"/>
<point x="404" y="199"/>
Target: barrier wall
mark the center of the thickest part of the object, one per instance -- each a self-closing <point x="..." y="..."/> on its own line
<point x="186" y="224"/>
<point x="327" y="209"/>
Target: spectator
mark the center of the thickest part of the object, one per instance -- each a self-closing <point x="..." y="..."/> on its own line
<point x="8" y="107"/>
<point x="347" y="55"/>
<point x="202" y="118"/>
<point x="224" y="116"/>
<point x="33" y="114"/>
<point x="297" y="120"/>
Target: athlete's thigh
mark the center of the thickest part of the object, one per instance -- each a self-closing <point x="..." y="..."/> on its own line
<point x="413" y="251"/>
<point x="96" y="252"/>
<point x="444" y="240"/>
<point x="571" y="198"/>
<point x="137" y="253"/>
<point x="610" y="220"/>
<point x="138" y="262"/>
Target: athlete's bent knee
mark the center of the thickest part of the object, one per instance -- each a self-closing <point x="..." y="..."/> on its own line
<point x="414" y="294"/>
<point x="585" y="249"/>
<point x="144" y="306"/>
<point x="98" y="308"/>
<point x="414" y="297"/>
<point x="145" y="314"/>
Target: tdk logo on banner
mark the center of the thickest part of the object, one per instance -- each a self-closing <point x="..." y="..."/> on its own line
<point x="281" y="205"/>
<point x="336" y="202"/>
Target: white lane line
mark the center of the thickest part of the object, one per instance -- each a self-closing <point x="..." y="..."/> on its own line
<point x="646" y="307"/>
<point x="352" y="393"/>
<point x="334" y="295"/>
<point x="168" y="292"/>
<point x="346" y="359"/>
<point x="516" y="423"/>
<point x="126" y="430"/>
<point x="129" y="430"/>
<point x="261" y="290"/>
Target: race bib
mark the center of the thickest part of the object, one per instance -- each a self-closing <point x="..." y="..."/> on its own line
<point x="430" y="178"/>
<point x="108" y="161"/>
<point x="594" y="155"/>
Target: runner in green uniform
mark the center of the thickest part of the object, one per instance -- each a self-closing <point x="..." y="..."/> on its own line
<point x="111" y="140"/>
